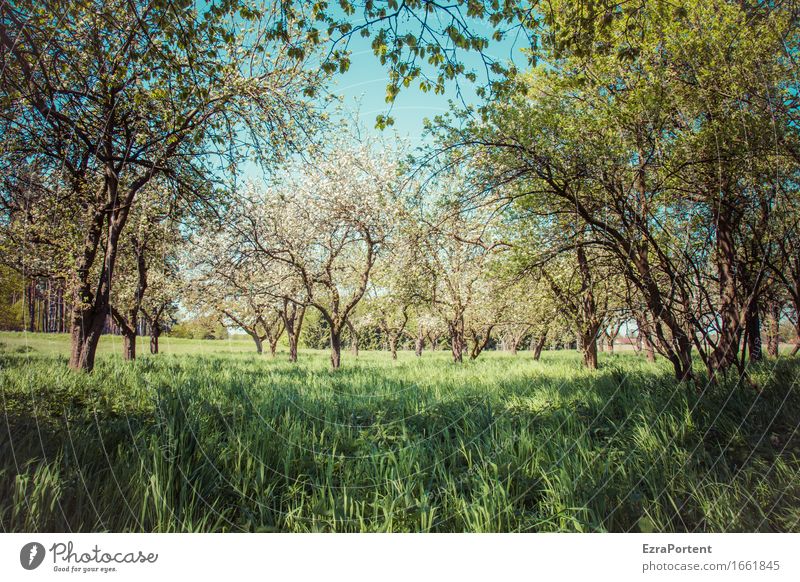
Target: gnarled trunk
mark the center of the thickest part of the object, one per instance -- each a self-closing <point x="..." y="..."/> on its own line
<point x="30" y="300"/>
<point x="589" y="348"/>
<point x="127" y="327"/>
<point x="129" y="335"/>
<point x="257" y="340"/>
<point x="457" y="340"/>
<point x="649" y="350"/>
<point x="612" y="337"/>
<point x="87" y="322"/>
<point x="643" y="338"/>
<point x="726" y="352"/>
<point x="754" y="333"/>
<point x="797" y="337"/>
<point x="677" y="348"/>
<point x="419" y="344"/>
<point x="128" y="345"/>
<point x="336" y="348"/>
<point x="457" y="350"/>
<point x="273" y="330"/>
<point x="292" y="315"/>
<point x="85" y="333"/>
<point x="480" y="340"/>
<point x="155" y="332"/>
<point x="773" y="329"/>
<point x="91" y="308"/>
<point x="538" y="346"/>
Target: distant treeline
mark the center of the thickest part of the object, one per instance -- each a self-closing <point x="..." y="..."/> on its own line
<point x="41" y="304"/>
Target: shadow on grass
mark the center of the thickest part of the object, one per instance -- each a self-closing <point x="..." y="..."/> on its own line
<point x="215" y="443"/>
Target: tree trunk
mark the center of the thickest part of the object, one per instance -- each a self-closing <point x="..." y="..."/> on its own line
<point x="292" y="315"/>
<point x="155" y="332"/>
<point x="537" y="348"/>
<point x="336" y="348"/>
<point x="129" y="344"/>
<point x="479" y="341"/>
<point x="92" y="308"/>
<point x="393" y="345"/>
<point x="87" y="326"/>
<point x="88" y="321"/>
<point x="258" y="342"/>
<point x="419" y="343"/>
<point x="457" y="350"/>
<point x="677" y="348"/>
<point x="682" y="359"/>
<point x="127" y="327"/>
<point x="273" y="347"/>
<point x="773" y="330"/>
<point x="89" y="311"/>
<point x="457" y="343"/>
<point x="649" y="350"/>
<point x="30" y="295"/>
<point x="754" y="333"/>
<point x="643" y="338"/>
<point x="726" y="352"/>
<point x="589" y="349"/>
<point x="514" y="346"/>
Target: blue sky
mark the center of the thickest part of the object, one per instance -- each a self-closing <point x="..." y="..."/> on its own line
<point x="365" y="83"/>
<point x="362" y="89"/>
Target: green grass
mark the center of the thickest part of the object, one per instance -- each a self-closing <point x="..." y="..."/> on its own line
<point x="209" y="436"/>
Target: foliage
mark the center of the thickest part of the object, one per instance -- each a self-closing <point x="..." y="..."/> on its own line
<point x="102" y="98"/>
<point x="199" y="328"/>
<point x="643" y="141"/>
<point x="11" y="299"/>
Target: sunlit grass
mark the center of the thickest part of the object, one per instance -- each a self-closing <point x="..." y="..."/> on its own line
<point x="224" y="439"/>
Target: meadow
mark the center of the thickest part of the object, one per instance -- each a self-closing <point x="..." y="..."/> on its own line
<point x="209" y="436"/>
